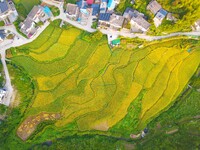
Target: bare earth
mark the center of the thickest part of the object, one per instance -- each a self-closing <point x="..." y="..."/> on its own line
<point x="29" y="125"/>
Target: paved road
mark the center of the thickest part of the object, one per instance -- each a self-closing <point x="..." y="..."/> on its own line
<point x="8" y="85"/>
<point x="148" y="37"/>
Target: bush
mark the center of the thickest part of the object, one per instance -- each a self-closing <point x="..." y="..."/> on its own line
<point x="3" y="109"/>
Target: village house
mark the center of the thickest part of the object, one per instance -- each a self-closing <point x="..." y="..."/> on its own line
<point x="154" y="6"/>
<point x="36" y="15"/>
<point x="90" y="2"/>
<point x="72" y="11"/>
<point x="140" y="23"/>
<point x="158" y="11"/>
<point x="159" y="17"/>
<point x="104" y="19"/>
<point x="2" y="95"/>
<point x="95" y="9"/>
<point x="136" y="19"/>
<point x="197" y="25"/>
<point x="97" y="1"/>
<point x="111" y="21"/>
<point x="129" y="13"/>
<point x="170" y="17"/>
<point x="115" y="42"/>
<point x="8" y="12"/>
<point x="103" y="6"/>
<point x="3" y="34"/>
<point x="116" y="22"/>
<point x="112" y="4"/>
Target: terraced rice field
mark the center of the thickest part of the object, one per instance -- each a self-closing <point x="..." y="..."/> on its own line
<point x="92" y="85"/>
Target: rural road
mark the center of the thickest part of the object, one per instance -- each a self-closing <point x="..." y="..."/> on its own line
<point x="8" y="85"/>
<point x="20" y="40"/>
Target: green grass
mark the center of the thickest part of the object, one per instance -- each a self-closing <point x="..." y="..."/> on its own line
<point x="24" y="7"/>
<point x="55" y="11"/>
<point x="180" y="116"/>
<point x="2" y="23"/>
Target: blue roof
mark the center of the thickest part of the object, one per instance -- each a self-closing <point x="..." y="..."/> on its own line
<point x="82" y="4"/>
<point x="111" y="4"/>
<point x="105" y="1"/>
<point x="79" y="3"/>
<point x="163" y="12"/>
<point x="2" y="34"/>
<point x="47" y="10"/>
<point x="96" y="8"/>
<point x="104" y="16"/>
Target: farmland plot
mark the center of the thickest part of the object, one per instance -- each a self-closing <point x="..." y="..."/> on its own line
<point x="93" y="86"/>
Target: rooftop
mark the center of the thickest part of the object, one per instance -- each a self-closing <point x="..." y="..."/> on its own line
<point x="27" y="23"/>
<point x="47" y="10"/>
<point x="104" y="16"/>
<point x="90" y="2"/>
<point x="71" y="9"/>
<point x="161" y="14"/>
<point x="34" y="11"/>
<point x="198" y="22"/>
<point x="129" y="13"/>
<point x="116" y="20"/>
<point x="111" y="4"/>
<point x="2" y="34"/>
<point x="141" y="22"/>
<point x="95" y="9"/>
<point x="3" y="6"/>
<point x="154" y="6"/>
<point x="115" y="42"/>
<point x="82" y="4"/>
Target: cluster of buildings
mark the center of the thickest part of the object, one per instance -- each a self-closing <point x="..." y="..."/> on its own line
<point x="84" y="8"/>
<point x="136" y="20"/>
<point x="38" y="14"/>
<point x="8" y="12"/>
<point x="85" y="11"/>
<point x="158" y="11"/>
<point x="103" y="10"/>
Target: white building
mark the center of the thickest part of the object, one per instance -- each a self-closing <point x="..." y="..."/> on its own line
<point x="72" y="11"/>
<point x="8" y="12"/>
<point x="159" y="17"/>
<point x="112" y="4"/>
<point x="103" y="6"/>
<point x="140" y="23"/>
<point x="197" y="25"/>
<point x="37" y="14"/>
<point x="2" y="95"/>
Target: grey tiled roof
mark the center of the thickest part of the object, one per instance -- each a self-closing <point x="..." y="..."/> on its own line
<point x="116" y="20"/>
<point x="3" y="6"/>
<point x="141" y="22"/>
<point x="34" y="11"/>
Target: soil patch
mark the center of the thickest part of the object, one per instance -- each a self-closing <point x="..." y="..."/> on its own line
<point x="29" y="125"/>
